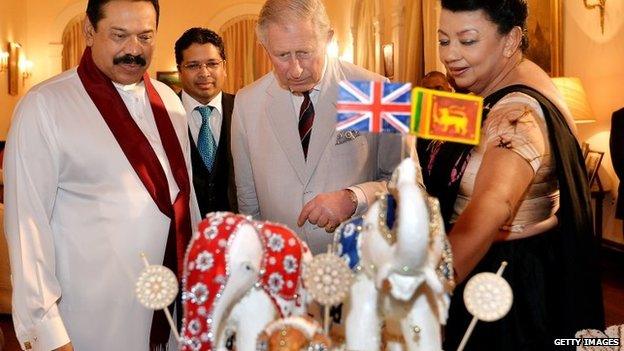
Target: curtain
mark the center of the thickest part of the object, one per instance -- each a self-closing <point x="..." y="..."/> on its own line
<point x="246" y="58"/>
<point x="430" y="13"/>
<point x="73" y="43"/>
<point x="412" y="55"/>
<point x="365" y="32"/>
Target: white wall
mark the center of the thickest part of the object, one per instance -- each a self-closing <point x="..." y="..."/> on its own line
<point x="12" y="29"/>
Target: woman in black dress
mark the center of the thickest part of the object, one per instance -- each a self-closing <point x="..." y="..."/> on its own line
<point x="519" y="196"/>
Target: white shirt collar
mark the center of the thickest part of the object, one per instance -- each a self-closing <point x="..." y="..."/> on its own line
<point x="134" y="88"/>
<point x="314" y="93"/>
<point x="190" y="103"/>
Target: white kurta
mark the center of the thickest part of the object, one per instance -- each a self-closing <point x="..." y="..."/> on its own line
<point x="77" y="217"/>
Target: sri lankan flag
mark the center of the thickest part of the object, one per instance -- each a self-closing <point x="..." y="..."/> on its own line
<point x="446" y="116"/>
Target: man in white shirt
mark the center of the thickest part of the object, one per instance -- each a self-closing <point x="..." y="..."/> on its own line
<point x="200" y="56"/>
<point x="291" y="165"/>
<point x="97" y="172"/>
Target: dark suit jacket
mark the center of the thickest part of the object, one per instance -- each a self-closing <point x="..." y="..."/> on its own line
<point x="616" y="145"/>
<point x="216" y="190"/>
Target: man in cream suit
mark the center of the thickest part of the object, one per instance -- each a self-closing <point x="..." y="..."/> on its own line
<point x="291" y="165"/>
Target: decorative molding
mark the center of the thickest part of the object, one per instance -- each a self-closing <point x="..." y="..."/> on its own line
<point x="63" y="18"/>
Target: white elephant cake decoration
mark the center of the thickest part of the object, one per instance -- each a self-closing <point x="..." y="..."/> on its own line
<point x="239" y="276"/>
<point x="403" y="265"/>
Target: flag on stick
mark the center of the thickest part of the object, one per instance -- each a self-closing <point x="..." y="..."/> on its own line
<point x="373" y="106"/>
<point x="446" y="116"/>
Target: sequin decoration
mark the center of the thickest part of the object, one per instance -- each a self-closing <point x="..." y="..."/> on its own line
<point x="204" y="261"/>
<point x="194" y="344"/>
<point x="488" y="296"/>
<point x="282" y="262"/>
<point x="194" y="326"/>
<point x="199" y="293"/>
<point x="157" y="287"/>
<point x="211" y="232"/>
<point x="276" y="242"/>
<point x="290" y="264"/>
<point x="328" y="279"/>
<point x="275" y="282"/>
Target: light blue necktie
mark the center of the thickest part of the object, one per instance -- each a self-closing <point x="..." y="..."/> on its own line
<point x="206" y="144"/>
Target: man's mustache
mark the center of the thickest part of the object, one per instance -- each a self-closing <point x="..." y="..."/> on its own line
<point x="130" y="59"/>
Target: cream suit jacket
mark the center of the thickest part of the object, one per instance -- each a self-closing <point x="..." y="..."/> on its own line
<point x="273" y="179"/>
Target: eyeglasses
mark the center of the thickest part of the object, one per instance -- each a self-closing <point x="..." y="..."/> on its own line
<point x="196" y="66"/>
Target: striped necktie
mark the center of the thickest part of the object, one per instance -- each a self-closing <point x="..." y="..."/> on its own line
<point x="306" y="119"/>
<point x="206" y="144"/>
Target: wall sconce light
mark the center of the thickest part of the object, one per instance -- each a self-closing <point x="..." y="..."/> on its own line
<point x="601" y="6"/>
<point x="4" y="61"/>
<point x="26" y="67"/>
<point x="388" y="60"/>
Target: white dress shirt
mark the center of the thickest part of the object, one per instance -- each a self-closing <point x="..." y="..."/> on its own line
<point x="195" y="118"/>
<point x="77" y="217"/>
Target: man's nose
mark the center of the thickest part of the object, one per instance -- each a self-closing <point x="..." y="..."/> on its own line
<point x="203" y="70"/>
<point x="133" y="46"/>
<point x="295" y="68"/>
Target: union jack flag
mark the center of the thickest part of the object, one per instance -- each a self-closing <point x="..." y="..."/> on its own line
<point x="377" y="107"/>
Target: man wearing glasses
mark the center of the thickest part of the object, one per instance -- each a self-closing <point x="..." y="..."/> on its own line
<point x="200" y="56"/>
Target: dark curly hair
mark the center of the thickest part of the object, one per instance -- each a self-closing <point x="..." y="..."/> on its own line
<point x="506" y="14"/>
<point x="198" y="35"/>
<point x="95" y="13"/>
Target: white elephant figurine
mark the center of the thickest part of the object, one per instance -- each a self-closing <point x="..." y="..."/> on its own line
<point x="239" y="276"/>
<point x="403" y="265"/>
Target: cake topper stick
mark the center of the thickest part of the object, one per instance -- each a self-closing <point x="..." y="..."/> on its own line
<point x="488" y="297"/>
<point x="156" y="289"/>
<point x="328" y="279"/>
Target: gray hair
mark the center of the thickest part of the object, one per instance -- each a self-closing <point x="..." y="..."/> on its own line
<point x="292" y="11"/>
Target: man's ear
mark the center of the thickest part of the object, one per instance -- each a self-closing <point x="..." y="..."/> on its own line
<point x="330" y="35"/>
<point x="89" y="31"/>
